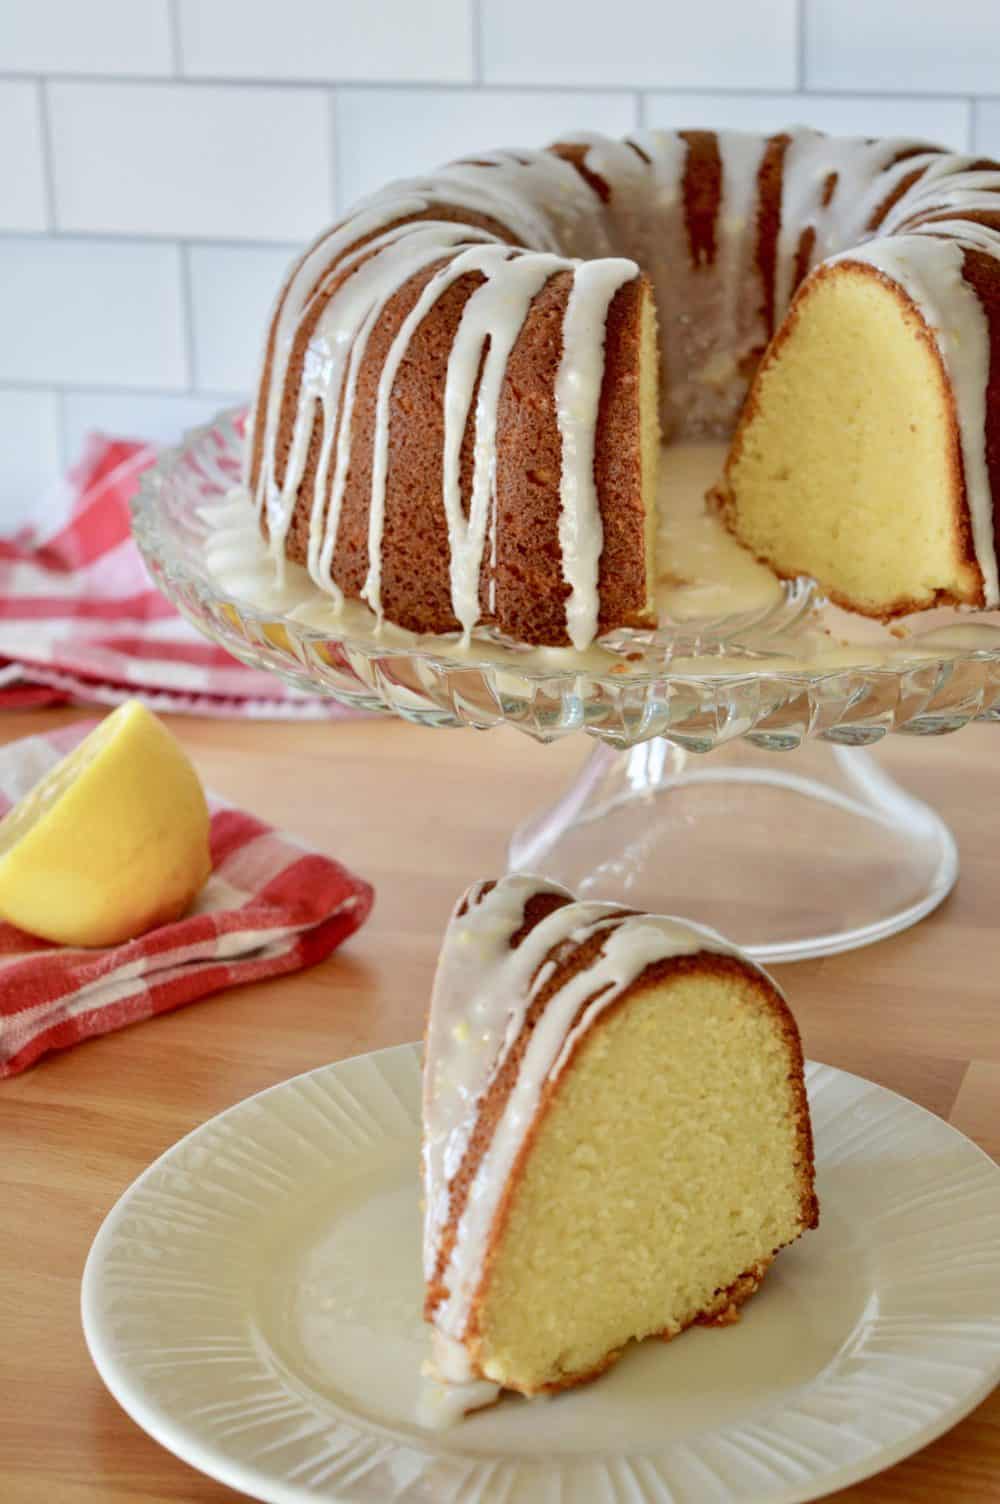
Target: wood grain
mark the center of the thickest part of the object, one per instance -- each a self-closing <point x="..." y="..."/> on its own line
<point x="421" y="814"/>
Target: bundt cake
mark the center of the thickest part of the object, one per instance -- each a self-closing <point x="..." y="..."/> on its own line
<point x="458" y="414"/>
<point x="616" y="1138"/>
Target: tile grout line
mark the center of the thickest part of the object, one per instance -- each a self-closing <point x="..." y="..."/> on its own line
<point x="110" y="389"/>
<point x="477" y="40"/>
<point x="333" y="137"/>
<point x="174" y="27"/>
<point x="451" y="86"/>
<point x="48" y="158"/>
<point x="62" y="424"/>
<point x="187" y="313"/>
<point x="153" y="237"/>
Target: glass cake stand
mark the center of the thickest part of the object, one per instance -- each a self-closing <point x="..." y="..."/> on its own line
<point x="803" y="855"/>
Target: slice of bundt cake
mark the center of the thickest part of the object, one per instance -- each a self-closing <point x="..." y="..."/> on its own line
<point x="616" y="1137"/>
<point x="848" y="461"/>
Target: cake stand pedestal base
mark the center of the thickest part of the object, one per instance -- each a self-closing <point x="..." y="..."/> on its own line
<point x="805" y="854"/>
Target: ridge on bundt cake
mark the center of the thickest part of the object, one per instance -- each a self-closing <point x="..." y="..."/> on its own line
<point x="616" y="1138"/>
<point x="458" y="411"/>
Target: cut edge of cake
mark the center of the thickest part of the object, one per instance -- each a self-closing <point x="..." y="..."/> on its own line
<point x="721" y="1286"/>
<point x="847" y="462"/>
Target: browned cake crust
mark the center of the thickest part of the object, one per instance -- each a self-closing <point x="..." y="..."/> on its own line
<point x="701" y="191"/>
<point x="530" y="590"/>
<point x="525" y="594"/>
<point x="317" y="307"/>
<point x="892" y="198"/>
<point x="770" y="179"/>
<point x="982" y="273"/>
<point x="575" y="153"/>
<point x="538" y="907"/>
<point x="415" y="585"/>
<point x="721" y="495"/>
<point x="570" y="959"/>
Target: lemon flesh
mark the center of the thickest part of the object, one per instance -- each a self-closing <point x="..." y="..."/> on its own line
<point x="112" y="842"/>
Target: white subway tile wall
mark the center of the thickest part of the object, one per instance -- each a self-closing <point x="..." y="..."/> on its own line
<point x="162" y="160"/>
<point x="986" y="132"/>
<point x="942" y="46"/>
<point x="31" y="445"/>
<point x="86" y="36"/>
<point x="191" y="159"/>
<point x="92" y="312"/>
<point x="232" y="289"/>
<point x="738" y="44"/>
<point x="392" y="133"/>
<point x="392" y="40"/>
<point x="22" y="161"/>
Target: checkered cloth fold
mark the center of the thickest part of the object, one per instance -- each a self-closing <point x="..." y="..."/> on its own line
<point x="81" y="621"/>
<point x="270" y="906"/>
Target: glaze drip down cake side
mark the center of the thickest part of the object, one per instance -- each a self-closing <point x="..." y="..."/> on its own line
<point x="616" y="1138"/>
<point x="465" y="381"/>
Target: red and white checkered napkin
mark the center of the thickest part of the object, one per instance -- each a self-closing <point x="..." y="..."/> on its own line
<point x="270" y="906"/>
<point x="80" y="620"/>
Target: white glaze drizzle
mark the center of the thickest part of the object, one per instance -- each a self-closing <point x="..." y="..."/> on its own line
<point x="577" y="394"/>
<point x="866" y="175"/>
<point x="341" y="335"/>
<point x="494" y="314"/>
<point x="512" y="283"/>
<point x="740" y="327"/>
<point x="461" y="265"/>
<point x="472" y="1009"/>
<point x="482" y="994"/>
<point x="340" y="340"/>
<point x="450" y="1388"/>
<point x="312" y="270"/>
<point x="709" y="324"/>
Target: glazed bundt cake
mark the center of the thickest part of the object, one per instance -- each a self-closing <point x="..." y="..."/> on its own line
<point x="616" y="1138"/>
<point x="457" y="418"/>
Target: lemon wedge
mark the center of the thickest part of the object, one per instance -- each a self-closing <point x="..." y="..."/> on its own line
<point x="111" y="842"/>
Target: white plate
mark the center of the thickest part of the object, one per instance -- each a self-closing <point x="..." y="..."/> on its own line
<point x="253" y="1302"/>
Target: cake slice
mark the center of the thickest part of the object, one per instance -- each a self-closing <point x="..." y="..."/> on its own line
<point x="848" y="463"/>
<point x="616" y="1137"/>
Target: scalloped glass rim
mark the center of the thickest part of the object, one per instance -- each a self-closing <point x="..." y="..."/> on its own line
<point x="931" y="692"/>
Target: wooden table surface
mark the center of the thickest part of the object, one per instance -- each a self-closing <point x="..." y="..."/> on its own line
<point x="421" y="814"/>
